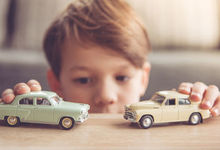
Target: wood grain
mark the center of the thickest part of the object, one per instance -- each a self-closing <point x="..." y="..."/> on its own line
<point x="111" y="131"/>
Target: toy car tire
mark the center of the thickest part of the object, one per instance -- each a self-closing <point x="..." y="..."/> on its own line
<point x="67" y="123"/>
<point x="146" y="121"/>
<point x="12" y="121"/>
<point x="195" y="119"/>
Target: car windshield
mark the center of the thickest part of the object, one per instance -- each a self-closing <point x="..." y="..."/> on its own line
<point x="56" y="99"/>
<point x="158" y="98"/>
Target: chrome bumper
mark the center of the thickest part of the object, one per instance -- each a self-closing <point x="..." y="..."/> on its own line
<point x="82" y="118"/>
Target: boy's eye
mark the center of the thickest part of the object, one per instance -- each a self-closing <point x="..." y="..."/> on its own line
<point x="83" y="80"/>
<point x="122" y="78"/>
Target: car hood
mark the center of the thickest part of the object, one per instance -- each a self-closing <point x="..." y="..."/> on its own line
<point x="75" y="106"/>
<point x="144" y="105"/>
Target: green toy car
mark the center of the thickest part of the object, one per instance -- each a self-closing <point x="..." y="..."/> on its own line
<point x="43" y="107"/>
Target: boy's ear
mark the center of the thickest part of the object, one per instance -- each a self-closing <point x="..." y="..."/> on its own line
<point x="146" y="75"/>
<point x="53" y="82"/>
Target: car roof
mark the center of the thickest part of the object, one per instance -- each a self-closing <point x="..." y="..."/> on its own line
<point x="172" y="94"/>
<point x="37" y="93"/>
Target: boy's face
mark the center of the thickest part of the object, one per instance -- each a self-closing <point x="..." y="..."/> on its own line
<point x="99" y="77"/>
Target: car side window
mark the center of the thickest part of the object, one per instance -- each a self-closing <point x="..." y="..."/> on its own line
<point x="170" y="102"/>
<point x="184" y="101"/>
<point x="43" y="101"/>
<point x="26" y="101"/>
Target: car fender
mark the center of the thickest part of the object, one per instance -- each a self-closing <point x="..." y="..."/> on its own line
<point x="205" y="113"/>
<point x="155" y="113"/>
<point x="59" y="114"/>
<point x="7" y="112"/>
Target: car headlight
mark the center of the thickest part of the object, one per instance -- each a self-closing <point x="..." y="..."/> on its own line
<point x="127" y="108"/>
<point x="83" y="111"/>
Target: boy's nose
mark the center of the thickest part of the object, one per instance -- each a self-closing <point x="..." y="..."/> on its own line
<point x="106" y="93"/>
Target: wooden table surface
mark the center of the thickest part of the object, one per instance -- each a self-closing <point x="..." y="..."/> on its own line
<point x="111" y="131"/>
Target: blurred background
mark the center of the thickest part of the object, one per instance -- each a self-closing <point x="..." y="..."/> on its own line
<point x="185" y="36"/>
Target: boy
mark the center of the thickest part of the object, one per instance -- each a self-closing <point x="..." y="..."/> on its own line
<point x="97" y="51"/>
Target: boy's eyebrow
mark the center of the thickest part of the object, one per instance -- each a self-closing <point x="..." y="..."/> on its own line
<point x="125" y="66"/>
<point x="84" y="68"/>
<point x="79" y="68"/>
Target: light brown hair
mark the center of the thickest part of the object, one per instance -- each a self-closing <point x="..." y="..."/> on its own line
<point x="107" y="23"/>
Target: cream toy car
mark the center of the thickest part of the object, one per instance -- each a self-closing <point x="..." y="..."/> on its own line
<point x="165" y="106"/>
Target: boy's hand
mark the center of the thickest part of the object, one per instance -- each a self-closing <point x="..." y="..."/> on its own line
<point x="209" y="95"/>
<point x="8" y="95"/>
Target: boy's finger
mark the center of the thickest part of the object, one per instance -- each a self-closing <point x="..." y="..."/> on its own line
<point x="7" y="91"/>
<point x="21" y="88"/>
<point x="8" y="96"/>
<point x="185" y="87"/>
<point x="198" y="90"/>
<point x="215" y="111"/>
<point x="34" y="85"/>
<point x="210" y="96"/>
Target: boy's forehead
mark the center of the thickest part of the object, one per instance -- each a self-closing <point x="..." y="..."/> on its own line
<point x="76" y="50"/>
<point x="82" y="48"/>
<point x="82" y="57"/>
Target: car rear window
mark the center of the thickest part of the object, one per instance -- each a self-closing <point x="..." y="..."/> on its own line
<point x="184" y="101"/>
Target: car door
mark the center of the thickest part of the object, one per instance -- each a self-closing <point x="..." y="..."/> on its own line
<point x="25" y="109"/>
<point x="170" y="110"/>
<point x="44" y="110"/>
<point x="185" y="109"/>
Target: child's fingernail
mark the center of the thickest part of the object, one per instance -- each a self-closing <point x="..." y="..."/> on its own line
<point x="196" y="94"/>
<point x="8" y="98"/>
<point x="21" y="88"/>
<point x="7" y="91"/>
<point x="207" y="104"/>
<point x="184" y="89"/>
<point x="35" y="87"/>
<point x="215" y="112"/>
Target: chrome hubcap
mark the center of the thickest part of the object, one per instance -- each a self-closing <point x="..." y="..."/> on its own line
<point x="67" y="122"/>
<point x="12" y="120"/>
<point x="147" y="122"/>
<point x="195" y="119"/>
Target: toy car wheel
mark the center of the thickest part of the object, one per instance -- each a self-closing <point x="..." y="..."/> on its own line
<point x="195" y="119"/>
<point x="12" y="121"/>
<point x="67" y="123"/>
<point x="146" y="122"/>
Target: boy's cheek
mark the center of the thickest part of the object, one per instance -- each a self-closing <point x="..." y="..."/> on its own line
<point x="129" y="97"/>
<point x="72" y="94"/>
<point x="137" y="89"/>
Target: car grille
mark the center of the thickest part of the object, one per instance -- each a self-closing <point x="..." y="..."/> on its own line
<point x="129" y="115"/>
